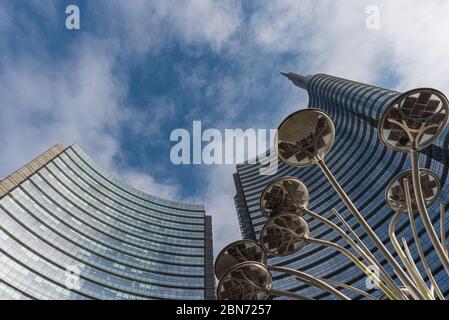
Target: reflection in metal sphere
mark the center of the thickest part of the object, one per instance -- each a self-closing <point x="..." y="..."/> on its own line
<point x="285" y="195"/>
<point x="284" y="234"/>
<point x="245" y="281"/>
<point x="303" y="136"/>
<point x="414" y="120"/>
<point x="395" y="195"/>
<point x="237" y="252"/>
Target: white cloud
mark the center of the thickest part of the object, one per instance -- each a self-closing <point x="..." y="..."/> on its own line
<point x="418" y="33"/>
<point x="62" y="102"/>
<point x="281" y="26"/>
<point x="149" y="26"/>
<point x="81" y="98"/>
<point x="147" y="121"/>
<point x="146" y="183"/>
<point x="200" y="21"/>
<point x="78" y="100"/>
<point x="331" y="37"/>
<point x="410" y="49"/>
<point x="218" y="185"/>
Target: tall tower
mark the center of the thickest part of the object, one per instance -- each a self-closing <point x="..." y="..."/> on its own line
<point x="71" y="230"/>
<point x="362" y="165"/>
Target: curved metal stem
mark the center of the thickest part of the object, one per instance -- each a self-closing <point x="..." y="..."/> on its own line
<point x="402" y="256"/>
<point x="365" y="269"/>
<point x="377" y="242"/>
<point x="410" y="258"/>
<point x="418" y="241"/>
<point x="354" y="259"/>
<point x="310" y="279"/>
<point x="288" y="294"/>
<point x="359" y="250"/>
<point x="337" y="284"/>
<point x="357" y="239"/>
<point x="371" y="258"/>
<point x="443" y="226"/>
<point x="441" y="252"/>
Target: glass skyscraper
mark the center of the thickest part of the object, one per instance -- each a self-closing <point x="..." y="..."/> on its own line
<point x="364" y="167"/>
<point x="71" y="230"/>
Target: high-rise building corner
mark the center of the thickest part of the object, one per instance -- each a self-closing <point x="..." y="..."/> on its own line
<point x="71" y="230"/>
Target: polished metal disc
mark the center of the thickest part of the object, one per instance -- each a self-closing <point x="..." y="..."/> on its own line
<point x="303" y="136"/>
<point x="284" y="195"/>
<point x="245" y="281"/>
<point x="238" y="252"/>
<point x="395" y="195"/>
<point x="284" y="234"/>
<point x="414" y="120"/>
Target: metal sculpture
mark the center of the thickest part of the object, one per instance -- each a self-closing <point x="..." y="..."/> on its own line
<point x="411" y="123"/>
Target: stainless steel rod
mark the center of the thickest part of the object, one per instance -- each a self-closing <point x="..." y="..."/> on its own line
<point x="337" y="284"/>
<point x="288" y="294"/>
<point x="356" y="261"/>
<point x="390" y="284"/>
<point x="377" y="242"/>
<point x="313" y="280"/>
<point x="443" y="226"/>
<point x="414" y="273"/>
<point x="371" y="258"/>
<point x="441" y="252"/>
<point x="418" y="241"/>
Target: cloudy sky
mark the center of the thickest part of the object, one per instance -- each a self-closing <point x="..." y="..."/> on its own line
<point x="138" y="69"/>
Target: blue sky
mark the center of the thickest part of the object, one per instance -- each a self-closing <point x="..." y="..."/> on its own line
<point x="136" y="70"/>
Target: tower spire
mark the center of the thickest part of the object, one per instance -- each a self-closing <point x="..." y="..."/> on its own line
<point x="297" y="79"/>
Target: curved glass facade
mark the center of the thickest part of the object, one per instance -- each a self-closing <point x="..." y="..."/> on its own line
<point x="71" y="230"/>
<point x="364" y="167"/>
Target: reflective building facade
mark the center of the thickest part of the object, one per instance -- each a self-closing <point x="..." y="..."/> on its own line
<point x="71" y="230"/>
<point x="363" y="166"/>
